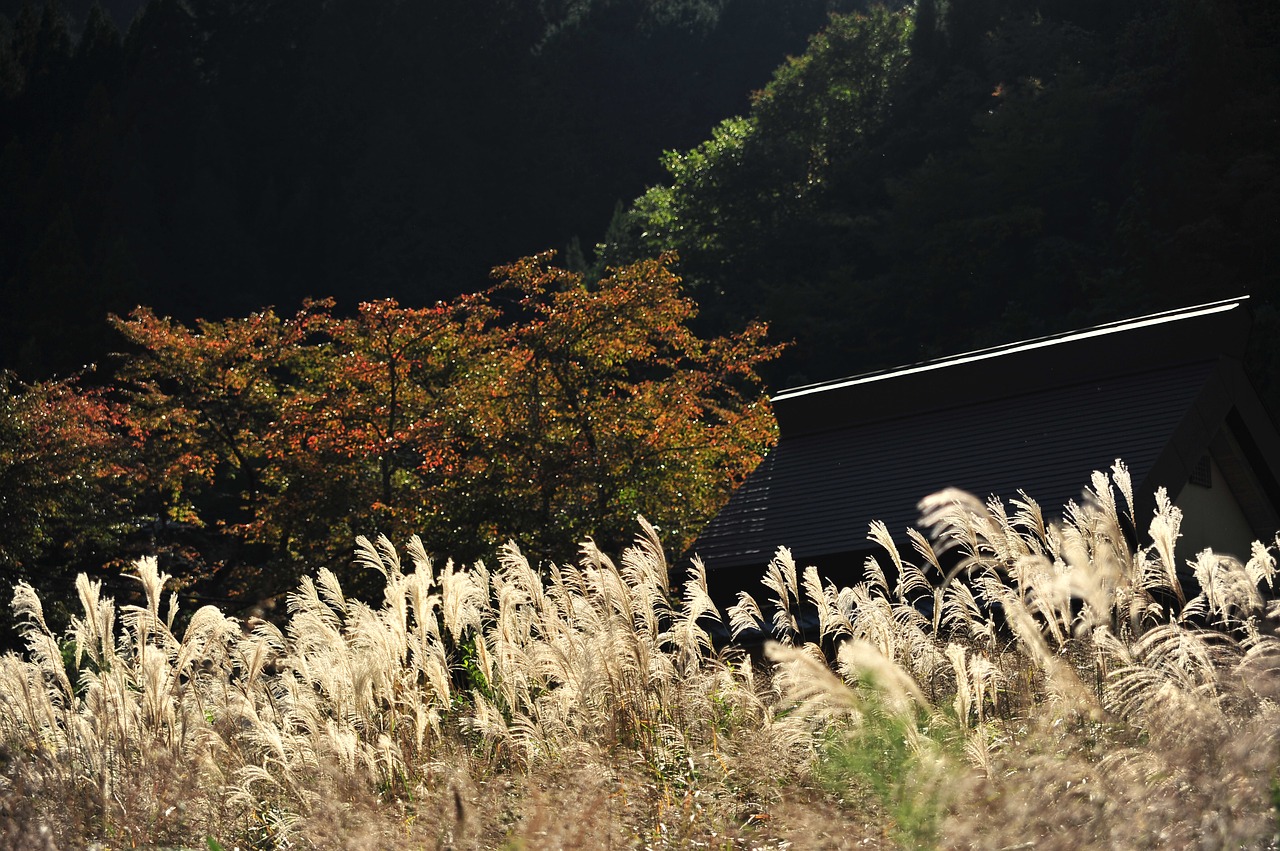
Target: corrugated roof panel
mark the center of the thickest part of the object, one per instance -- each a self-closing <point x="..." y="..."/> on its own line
<point x="818" y="492"/>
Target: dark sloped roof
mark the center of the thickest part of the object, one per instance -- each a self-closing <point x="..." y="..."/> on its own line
<point x="1038" y="416"/>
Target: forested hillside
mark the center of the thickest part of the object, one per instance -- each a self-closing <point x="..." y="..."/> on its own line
<point x="979" y="171"/>
<point x="953" y="175"/>
<point x="222" y="155"/>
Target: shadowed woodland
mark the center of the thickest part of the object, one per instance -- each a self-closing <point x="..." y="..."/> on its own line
<point x="910" y="184"/>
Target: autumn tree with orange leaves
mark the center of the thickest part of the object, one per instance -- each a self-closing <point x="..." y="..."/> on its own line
<point x="362" y="444"/>
<point x="545" y="409"/>
<point x="202" y="404"/>
<point x="66" y="485"/>
<point x="606" y="405"/>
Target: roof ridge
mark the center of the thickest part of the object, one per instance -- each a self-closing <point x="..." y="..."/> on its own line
<point x="1060" y="338"/>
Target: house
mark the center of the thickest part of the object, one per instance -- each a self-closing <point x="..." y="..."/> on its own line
<point x="1165" y="393"/>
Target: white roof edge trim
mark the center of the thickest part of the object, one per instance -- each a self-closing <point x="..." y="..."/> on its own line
<point x="1012" y="348"/>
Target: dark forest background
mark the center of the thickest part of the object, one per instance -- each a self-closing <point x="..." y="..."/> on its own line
<point x="214" y="156"/>
<point x="964" y="173"/>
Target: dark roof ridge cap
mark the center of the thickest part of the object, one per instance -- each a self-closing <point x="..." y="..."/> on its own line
<point x="1105" y="329"/>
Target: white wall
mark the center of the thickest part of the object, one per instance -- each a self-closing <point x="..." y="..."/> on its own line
<point x="1213" y="519"/>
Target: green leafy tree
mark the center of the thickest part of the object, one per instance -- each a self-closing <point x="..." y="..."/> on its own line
<point x="774" y="212"/>
<point x="988" y="171"/>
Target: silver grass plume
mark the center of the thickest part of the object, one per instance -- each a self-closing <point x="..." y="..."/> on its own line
<point x="780" y="578"/>
<point x="1261" y="566"/>
<point x="958" y="520"/>
<point x="94" y="632"/>
<point x="646" y="557"/>
<point x="1163" y="530"/>
<point x="858" y="660"/>
<point x="1060" y="678"/>
<point x="808" y="686"/>
<point x="745" y="616"/>
<point x="645" y="571"/>
<point x="823" y="599"/>
<point x="874" y="574"/>
<point x="1228" y="591"/>
<point x="40" y="642"/>
<point x="963" y="615"/>
<point x="692" y="642"/>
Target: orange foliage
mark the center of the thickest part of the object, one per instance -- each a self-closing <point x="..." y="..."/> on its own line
<point x="543" y="409"/>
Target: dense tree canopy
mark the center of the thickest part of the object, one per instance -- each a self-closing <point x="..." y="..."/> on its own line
<point x="66" y="459"/>
<point x="924" y="182"/>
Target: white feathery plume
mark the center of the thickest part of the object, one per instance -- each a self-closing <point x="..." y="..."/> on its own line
<point x="880" y="536"/>
<point x="692" y="642"/>
<point x="1028" y="517"/>
<point x="517" y="571"/>
<point x="987" y="679"/>
<point x="1229" y="591"/>
<point x="963" y="702"/>
<point x="209" y="632"/>
<point x="937" y="589"/>
<point x="957" y="519"/>
<point x="873" y="621"/>
<point x="306" y="601"/>
<point x="875" y="574"/>
<point x="780" y="577"/>
<point x="1060" y="678"/>
<point x="41" y="644"/>
<point x="331" y="590"/>
<point x="1120" y="475"/>
<point x="1101" y="493"/>
<point x="1261" y="566"/>
<point x="389" y="555"/>
<point x="418" y="556"/>
<point x="900" y="691"/>
<point x="265" y="642"/>
<point x="1173" y="667"/>
<point x="822" y="599"/>
<point x="152" y="580"/>
<point x="1164" y="536"/>
<point x="745" y="616"/>
<point x="697" y="601"/>
<point x="461" y="600"/>
<point x="809" y="685"/>
<point x="94" y="633"/>
<point x="646" y="557"/>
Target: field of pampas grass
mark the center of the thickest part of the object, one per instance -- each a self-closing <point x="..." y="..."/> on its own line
<point x="1054" y="689"/>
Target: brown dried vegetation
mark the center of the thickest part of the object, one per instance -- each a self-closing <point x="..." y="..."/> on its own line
<point x="1043" y="694"/>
